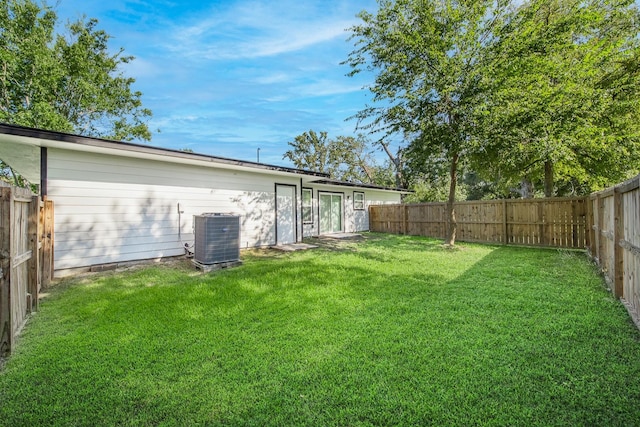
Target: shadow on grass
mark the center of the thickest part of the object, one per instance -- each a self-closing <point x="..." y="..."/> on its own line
<point x="524" y="336"/>
<point x="396" y="331"/>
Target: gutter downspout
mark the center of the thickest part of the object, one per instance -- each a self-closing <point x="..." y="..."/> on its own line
<point x="43" y="173"/>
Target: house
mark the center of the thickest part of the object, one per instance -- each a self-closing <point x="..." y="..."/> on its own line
<point x="117" y="202"/>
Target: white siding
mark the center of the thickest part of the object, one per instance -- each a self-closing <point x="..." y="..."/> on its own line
<point x="114" y="209"/>
<point x="354" y="220"/>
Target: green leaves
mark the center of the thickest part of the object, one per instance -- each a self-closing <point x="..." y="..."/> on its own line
<point x="547" y="102"/>
<point x="69" y="83"/>
<point x="537" y="91"/>
<point x="309" y="151"/>
<point x="426" y="55"/>
<point x="344" y="158"/>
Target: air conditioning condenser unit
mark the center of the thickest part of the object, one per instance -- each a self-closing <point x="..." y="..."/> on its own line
<point x="217" y="238"/>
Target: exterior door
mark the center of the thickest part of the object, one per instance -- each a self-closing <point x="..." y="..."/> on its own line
<point x="285" y="214"/>
<point x="330" y="213"/>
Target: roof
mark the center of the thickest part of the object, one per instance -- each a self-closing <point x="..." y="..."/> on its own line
<point x="52" y="136"/>
<point x="32" y="137"/>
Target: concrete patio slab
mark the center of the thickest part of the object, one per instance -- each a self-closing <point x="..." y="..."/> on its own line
<point x="292" y="247"/>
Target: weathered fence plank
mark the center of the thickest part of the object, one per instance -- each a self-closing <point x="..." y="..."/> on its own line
<point x="616" y="244"/>
<point x="46" y="242"/>
<point x="6" y="327"/>
<point x="33" y="270"/>
<point x="21" y="244"/>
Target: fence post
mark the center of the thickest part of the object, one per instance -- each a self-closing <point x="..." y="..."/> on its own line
<point x="405" y="224"/>
<point x="600" y="208"/>
<point x="6" y="327"/>
<point x="589" y="234"/>
<point x="574" y="221"/>
<point x="542" y="228"/>
<point x="444" y="223"/>
<point x="33" y="273"/>
<point x="504" y="223"/>
<point x="618" y="236"/>
<point x="46" y="261"/>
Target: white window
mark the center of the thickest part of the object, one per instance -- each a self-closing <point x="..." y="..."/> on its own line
<point x="307" y="205"/>
<point x="358" y="201"/>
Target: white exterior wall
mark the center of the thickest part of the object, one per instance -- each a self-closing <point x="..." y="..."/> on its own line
<point x="118" y="202"/>
<point x="113" y="208"/>
<point x="353" y="220"/>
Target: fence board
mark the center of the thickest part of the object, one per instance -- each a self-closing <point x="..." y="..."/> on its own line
<point x="20" y="269"/>
<point x="558" y="222"/>
<point x="6" y="336"/>
<point x="33" y="270"/>
<point x="616" y="245"/>
<point x="628" y="246"/>
<point x="46" y="243"/>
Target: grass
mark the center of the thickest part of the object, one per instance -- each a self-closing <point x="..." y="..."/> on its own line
<point x="393" y="330"/>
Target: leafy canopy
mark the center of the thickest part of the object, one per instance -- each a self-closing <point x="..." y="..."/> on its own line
<point x="345" y="158"/>
<point x="426" y="57"/>
<point x="561" y="103"/>
<point x="518" y="93"/>
<point x="68" y="83"/>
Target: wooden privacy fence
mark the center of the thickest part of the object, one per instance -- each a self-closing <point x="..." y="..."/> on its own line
<point x="554" y="222"/>
<point x="615" y="240"/>
<point x="26" y="257"/>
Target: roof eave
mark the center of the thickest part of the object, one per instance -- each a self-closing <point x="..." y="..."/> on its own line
<point x="45" y="138"/>
<point x="359" y="185"/>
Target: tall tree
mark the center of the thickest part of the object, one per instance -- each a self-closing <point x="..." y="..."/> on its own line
<point x="352" y="159"/>
<point x="562" y="106"/>
<point x="310" y="150"/>
<point x="345" y="158"/>
<point x="69" y="83"/>
<point x="426" y="56"/>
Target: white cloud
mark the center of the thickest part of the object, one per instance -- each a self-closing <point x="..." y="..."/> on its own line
<point x="224" y="77"/>
<point x="256" y="29"/>
<point x="274" y="78"/>
<point x="140" y="68"/>
<point x="277" y="98"/>
<point x="328" y="88"/>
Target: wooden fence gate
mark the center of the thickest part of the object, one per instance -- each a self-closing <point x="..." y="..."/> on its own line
<point x="26" y="258"/>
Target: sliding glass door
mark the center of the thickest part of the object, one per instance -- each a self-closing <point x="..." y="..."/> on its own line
<point x="330" y="213"/>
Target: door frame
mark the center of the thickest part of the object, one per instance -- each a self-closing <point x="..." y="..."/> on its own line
<point x="342" y="211"/>
<point x="294" y="208"/>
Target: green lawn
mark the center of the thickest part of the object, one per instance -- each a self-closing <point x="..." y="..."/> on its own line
<point x="392" y="330"/>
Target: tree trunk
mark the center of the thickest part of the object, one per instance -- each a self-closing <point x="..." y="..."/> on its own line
<point x="397" y="163"/>
<point x="367" y="172"/>
<point x="451" y="213"/>
<point x="548" y="178"/>
<point x="526" y="188"/>
<point x="399" y="178"/>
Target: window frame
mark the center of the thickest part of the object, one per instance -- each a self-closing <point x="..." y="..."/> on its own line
<point x="359" y="199"/>
<point x="308" y="208"/>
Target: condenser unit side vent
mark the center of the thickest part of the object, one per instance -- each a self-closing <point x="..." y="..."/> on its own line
<point x="217" y="238"/>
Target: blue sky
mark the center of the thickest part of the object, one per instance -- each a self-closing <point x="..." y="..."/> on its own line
<point x="228" y="77"/>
